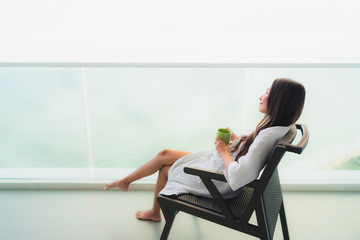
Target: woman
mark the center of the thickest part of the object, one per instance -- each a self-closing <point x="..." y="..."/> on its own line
<point x="241" y="161"/>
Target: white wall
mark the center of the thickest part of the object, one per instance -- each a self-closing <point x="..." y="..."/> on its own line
<point x="277" y="31"/>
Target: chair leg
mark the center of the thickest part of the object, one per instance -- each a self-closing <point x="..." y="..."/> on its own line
<point x="262" y="223"/>
<point x="283" y="223"/>
<point x="169" y="215"/>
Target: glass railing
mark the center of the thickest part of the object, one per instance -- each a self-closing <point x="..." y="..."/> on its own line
<point x="92" y="122"/>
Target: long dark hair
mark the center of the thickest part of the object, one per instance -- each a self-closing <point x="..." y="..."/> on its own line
<point x="284" y="107"/>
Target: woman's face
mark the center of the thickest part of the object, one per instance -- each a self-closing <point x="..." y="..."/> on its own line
<point x="263" y="101"/>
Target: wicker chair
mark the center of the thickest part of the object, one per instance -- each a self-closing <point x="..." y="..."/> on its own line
<point x="262" y="196"/>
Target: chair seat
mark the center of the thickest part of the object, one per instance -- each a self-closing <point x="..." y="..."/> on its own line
<point x="237" y="204"/>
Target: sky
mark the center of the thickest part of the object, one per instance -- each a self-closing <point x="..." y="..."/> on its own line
<point x="187" y="31"/>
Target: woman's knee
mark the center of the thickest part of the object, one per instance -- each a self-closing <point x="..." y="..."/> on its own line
<point x="168" y="156"/>
<point x="164" y="152"/>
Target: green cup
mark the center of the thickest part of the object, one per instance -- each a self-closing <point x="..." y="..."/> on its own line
<point x="224" y="135"/>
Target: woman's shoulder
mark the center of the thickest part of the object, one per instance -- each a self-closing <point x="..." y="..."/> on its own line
<point x="274" y="132"/>
<point x="275" y="129"/>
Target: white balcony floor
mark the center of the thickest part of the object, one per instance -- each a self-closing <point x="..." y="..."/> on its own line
<point x="100" y="215"/>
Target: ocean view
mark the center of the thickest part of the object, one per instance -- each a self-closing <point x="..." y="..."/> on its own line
<point x="118" y="117"/>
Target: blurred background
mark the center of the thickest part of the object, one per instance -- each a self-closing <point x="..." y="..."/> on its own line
<point x="90" y="88"/>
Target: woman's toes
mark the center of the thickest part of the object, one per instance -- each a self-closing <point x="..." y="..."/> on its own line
<point x="148" y="215"/>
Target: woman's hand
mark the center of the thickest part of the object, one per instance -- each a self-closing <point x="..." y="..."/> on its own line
<point x="233" y="135"/>
<point x="222" y="149"/>
<point x="220" y="146"/>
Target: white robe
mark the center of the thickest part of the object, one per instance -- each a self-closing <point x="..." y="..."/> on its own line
<point x="240" y="173"/>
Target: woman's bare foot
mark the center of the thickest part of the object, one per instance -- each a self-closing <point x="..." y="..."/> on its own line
<point x="148" y="215"/>
<point x="120" y="184"/>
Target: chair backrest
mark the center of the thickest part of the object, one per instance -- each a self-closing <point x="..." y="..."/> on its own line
<point x="272" y="200"/>
<point x="268" y="188"/>
<point x="275" y="157"/>
<point x="283" y="145"/>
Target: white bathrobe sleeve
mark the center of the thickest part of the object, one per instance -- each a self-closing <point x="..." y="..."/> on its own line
<point x="249" y="166"/>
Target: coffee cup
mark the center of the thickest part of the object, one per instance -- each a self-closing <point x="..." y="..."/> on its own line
<point x="224" y="134"/>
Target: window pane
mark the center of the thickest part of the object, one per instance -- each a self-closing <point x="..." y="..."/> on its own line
<point x="136" y="112"/>
<point x="42" y="118"/>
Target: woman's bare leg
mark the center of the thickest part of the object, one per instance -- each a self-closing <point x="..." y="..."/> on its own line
<point x="164" y="158"/>
<point x="154" y="213"/>
<point x="162" y="163"/>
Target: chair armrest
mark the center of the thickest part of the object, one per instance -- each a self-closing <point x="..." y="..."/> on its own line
<point x="205" y="173"/>
<point x="201" y="172"/>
